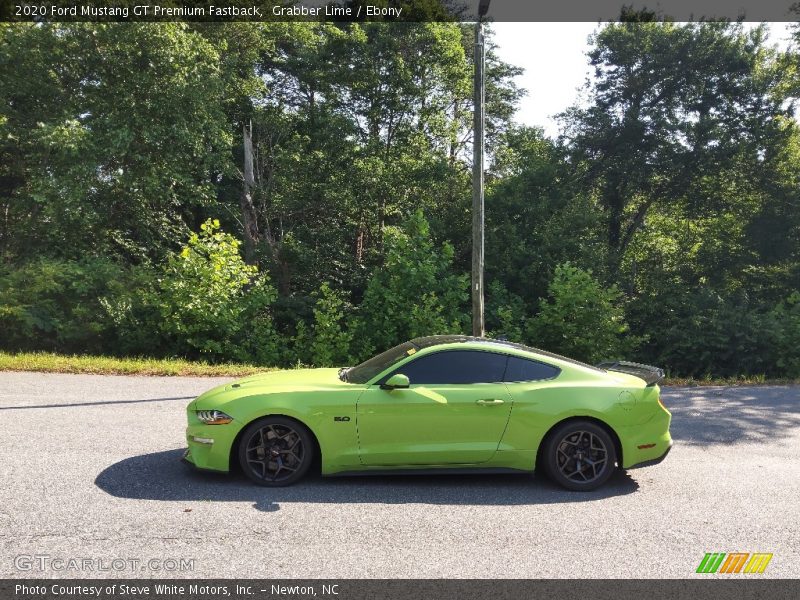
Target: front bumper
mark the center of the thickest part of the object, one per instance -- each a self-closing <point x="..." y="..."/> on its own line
<point x="186" y="458"/>
<point x="213" y="450"/>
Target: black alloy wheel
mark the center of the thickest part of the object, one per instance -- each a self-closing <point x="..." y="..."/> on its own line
<point x="580" y="456"/>
<point x="275" y="451"/>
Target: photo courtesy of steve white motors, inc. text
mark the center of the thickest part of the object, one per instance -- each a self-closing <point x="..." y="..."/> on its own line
<point x="211" y="10"/>
<point x="163" y="589"/>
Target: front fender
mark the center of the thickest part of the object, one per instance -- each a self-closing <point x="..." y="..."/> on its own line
<point x="329" y="415"/>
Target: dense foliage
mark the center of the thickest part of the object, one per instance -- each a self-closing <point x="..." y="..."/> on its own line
<point x="300" y="193"/>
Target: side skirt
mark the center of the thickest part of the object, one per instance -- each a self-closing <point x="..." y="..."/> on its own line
<point x="433" y="471"/>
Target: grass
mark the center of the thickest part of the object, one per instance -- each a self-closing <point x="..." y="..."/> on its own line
<point x="104" y="365"/>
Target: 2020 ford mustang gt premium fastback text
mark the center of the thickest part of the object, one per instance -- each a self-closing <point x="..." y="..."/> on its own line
<point x="436" y="403"/>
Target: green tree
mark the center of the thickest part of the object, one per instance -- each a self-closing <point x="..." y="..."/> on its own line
<point x="111" y="137"/>
<point x="581" y="318"/>
<point x="332" y="337"/>
<point x="679" y="115"/>
<point x="506" y="313"/>
<point x="786" y="349"/>
<point x="537" y="217"/>
<point x="355" y="127"/>
<point x="55" y="305"/>
<point x="414" y="293"/>
<point x="214" y="305"/>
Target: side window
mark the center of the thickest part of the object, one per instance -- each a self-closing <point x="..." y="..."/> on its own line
<point x="521" y="369"/>
<point x="455" y="367"/>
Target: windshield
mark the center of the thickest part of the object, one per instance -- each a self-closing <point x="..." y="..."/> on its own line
<point x="370" y="368"/>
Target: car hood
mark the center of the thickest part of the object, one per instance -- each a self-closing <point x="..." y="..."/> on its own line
<point x="292" y="380"/>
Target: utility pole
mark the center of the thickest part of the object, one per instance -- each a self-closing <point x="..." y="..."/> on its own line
<point x="478" y="326"/>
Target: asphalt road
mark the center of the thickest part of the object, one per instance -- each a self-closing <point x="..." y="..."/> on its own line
<point x="91" y="470"/>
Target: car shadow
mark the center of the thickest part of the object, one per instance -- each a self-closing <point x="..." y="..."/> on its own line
<point x="162" y="476"/>
<point x="733" y="415"/>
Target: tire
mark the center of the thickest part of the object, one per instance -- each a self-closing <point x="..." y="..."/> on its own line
<point x="275" y="451"/>
<point x="580" y="456"/>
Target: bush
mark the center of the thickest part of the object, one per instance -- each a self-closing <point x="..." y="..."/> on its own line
<point x="505" y="313"/>
<point x="51" y="304"/>
<point x="703" y="333"/>
<point x="134" y="322"/>
<point x="786" y="327"/>
<point x="205" y="302"/>
<point x="414" y="293"/>
<point x="580" y="319"/>
<point x="212" y="304"/>
<point x="728" y="336"/>
<point x="331" y="341"/>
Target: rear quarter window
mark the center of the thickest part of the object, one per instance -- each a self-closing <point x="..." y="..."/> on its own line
<point x="522" y="369"/>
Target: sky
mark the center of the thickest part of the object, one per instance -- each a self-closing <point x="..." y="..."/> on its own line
<point x="556" y="66"/>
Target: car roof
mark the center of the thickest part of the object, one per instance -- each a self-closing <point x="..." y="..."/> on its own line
<point x="440" y="340"/>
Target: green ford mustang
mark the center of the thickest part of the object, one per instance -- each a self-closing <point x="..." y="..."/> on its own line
<point x="433" y="404"/>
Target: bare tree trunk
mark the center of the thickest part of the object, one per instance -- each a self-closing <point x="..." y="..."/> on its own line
<point x="253" y="236"/>
<point x="249" y="213"/>
<point x="360" y="245"/>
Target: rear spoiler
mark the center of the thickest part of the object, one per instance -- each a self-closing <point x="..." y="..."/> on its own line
<point x="651" y="375"/>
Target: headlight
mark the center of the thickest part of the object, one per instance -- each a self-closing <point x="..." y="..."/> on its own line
<point x="213" y="417"/>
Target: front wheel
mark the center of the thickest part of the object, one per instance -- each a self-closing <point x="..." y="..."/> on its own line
<point x="275" y="451"/>
<point x="580" y="456"/>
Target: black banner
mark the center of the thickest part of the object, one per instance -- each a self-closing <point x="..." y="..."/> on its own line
<point x="711" y="587"/>
<point x="395" y="10"/>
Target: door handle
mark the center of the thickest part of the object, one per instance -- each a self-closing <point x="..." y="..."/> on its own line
<point x="489" y="402"/>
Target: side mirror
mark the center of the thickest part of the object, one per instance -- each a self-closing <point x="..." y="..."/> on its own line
<point x="396" y="381"/>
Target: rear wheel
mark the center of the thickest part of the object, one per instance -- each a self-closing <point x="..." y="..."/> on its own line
<point x="580" y="455"/>
<point x="275" y="451"/>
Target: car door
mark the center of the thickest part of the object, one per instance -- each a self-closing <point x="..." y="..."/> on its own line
<point x="454" y="411"/>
